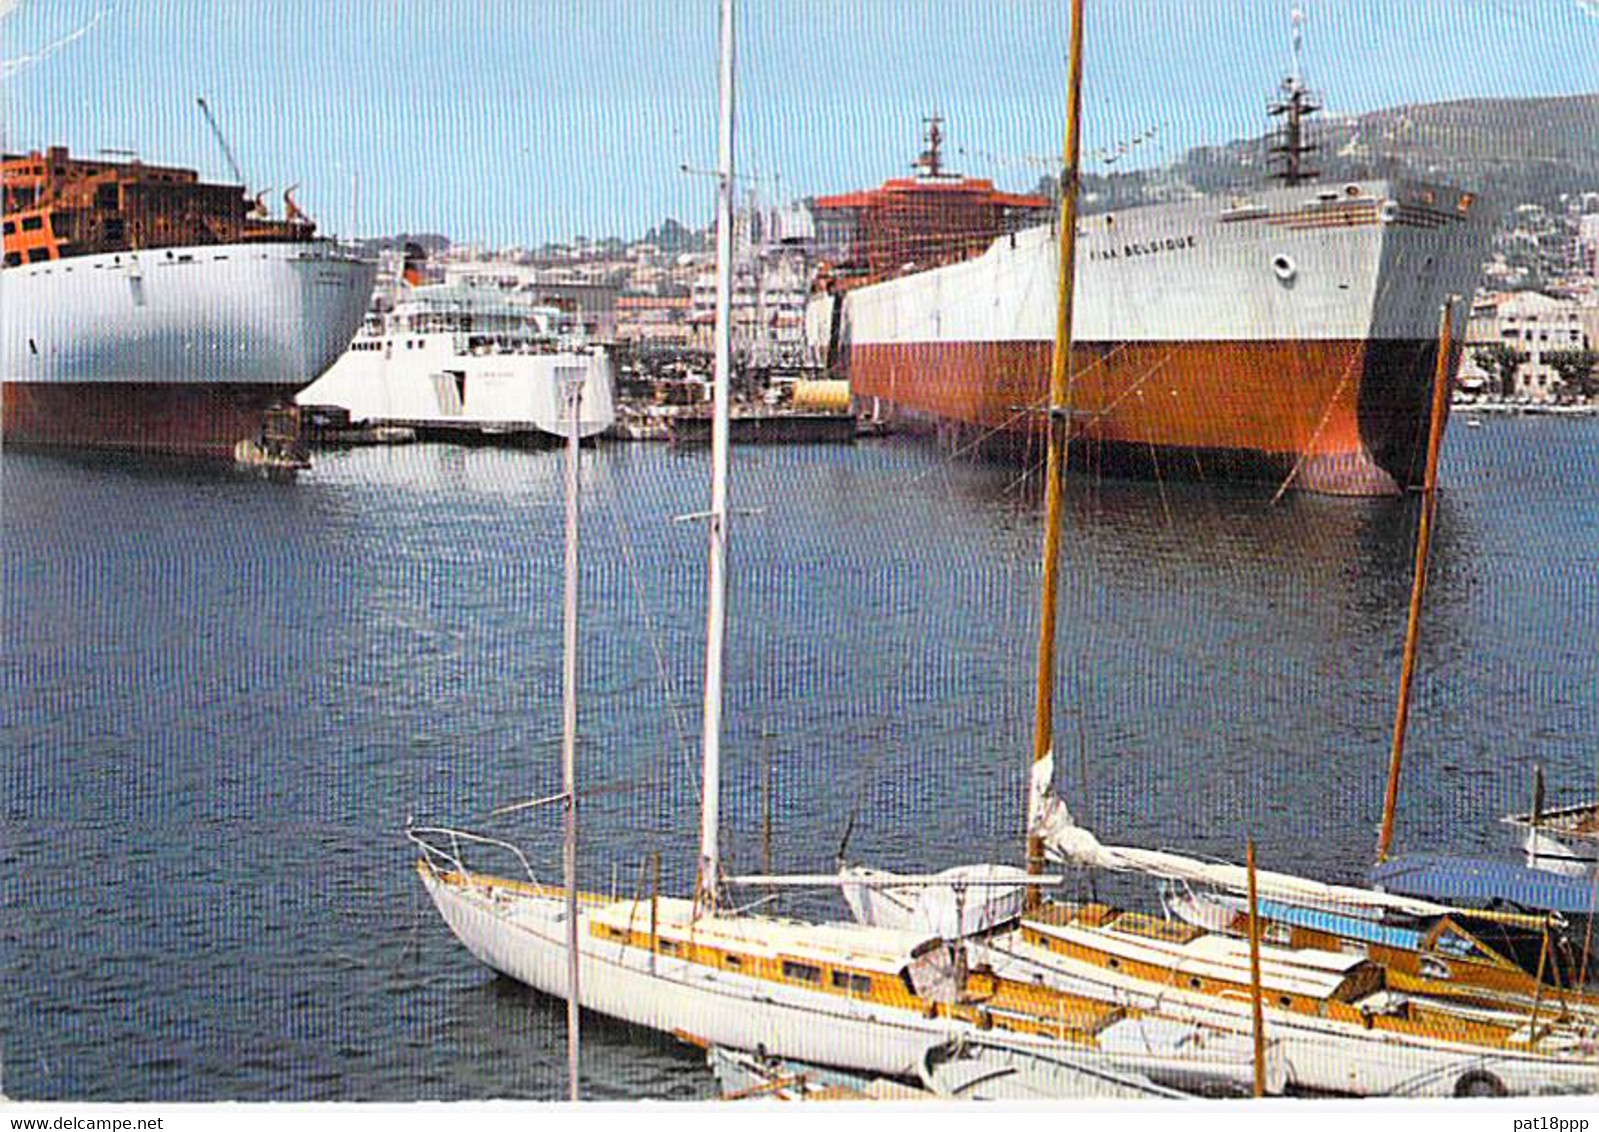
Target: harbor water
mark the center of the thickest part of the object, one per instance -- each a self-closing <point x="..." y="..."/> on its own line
<point x="222" y="699"/>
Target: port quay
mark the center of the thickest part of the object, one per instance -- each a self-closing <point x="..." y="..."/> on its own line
<point x="719" y="554"/>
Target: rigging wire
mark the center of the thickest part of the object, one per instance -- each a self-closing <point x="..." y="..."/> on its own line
<point x="611" y="506"/>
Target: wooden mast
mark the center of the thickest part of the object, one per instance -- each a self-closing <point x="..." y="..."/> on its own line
<point x="1256" y="1013"/>
<point x="716" y="606"/>
<point x="1058" y="424"/>
<point x="1435" y="428"/>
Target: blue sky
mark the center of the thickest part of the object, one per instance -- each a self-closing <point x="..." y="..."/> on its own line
<point x="521" y="121"/>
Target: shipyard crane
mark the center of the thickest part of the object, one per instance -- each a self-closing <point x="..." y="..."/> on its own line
<point x="233" y="164"/>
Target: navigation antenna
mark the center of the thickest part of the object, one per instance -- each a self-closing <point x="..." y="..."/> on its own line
<point x="931" y="163"/>
<point x="1287" y="146"/>
<point x="233" y="164"/>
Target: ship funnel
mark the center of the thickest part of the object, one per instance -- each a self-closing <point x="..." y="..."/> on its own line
<point x="415" y="257"/>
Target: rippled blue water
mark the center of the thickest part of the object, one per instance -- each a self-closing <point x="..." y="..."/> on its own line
<point x="223" y="698"/>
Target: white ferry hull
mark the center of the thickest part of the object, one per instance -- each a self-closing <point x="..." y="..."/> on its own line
<point x="443" y="394"/>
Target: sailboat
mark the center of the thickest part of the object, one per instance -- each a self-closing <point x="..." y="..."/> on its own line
<point x="1474" y="932"/>
<point x="1489" y="958"/>
<point x="1342" y="1026"/>
<point x="1563" y="840"/>
<point x="868" y="999"/>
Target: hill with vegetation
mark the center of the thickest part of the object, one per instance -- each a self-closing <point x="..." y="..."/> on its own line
<point x="1516" y="151"/>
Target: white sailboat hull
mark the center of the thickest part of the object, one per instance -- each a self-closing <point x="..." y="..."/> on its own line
<point x="1321" y="1055"/>
<point x="524" y="938"/>
<point x="528" y="944"/>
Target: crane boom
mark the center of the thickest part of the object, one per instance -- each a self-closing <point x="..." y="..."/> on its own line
<point x="233" y="164"/>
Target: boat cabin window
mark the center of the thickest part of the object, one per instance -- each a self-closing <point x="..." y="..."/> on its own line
<point x="802" y="972"/>
<point x="733" y="962"/>
<point x="668" y="947"/>
<point x="13" y="259"/>
<point x="38" y="255"/>
<point x="851" y="982"/>
<point x="1363" y="980"/>
<point x="105" y="196"/>
<point x="32" y="223"/>
<point x="1458" y="944"/>
<point x="11" y="227"/>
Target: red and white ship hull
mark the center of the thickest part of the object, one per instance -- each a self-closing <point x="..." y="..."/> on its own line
<point x="1291" y="338"/>
<point x="178" y="351"/>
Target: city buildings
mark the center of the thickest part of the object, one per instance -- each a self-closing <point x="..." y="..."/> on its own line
<point x="1534" y="325"/>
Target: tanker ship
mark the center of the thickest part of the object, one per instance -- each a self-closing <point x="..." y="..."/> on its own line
<point x="1288" y="337"/>
<point x="147" y="311"/>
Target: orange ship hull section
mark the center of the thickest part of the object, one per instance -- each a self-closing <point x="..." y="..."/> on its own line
<point x="1342" y="417"/>
<point x="201" y="422"/>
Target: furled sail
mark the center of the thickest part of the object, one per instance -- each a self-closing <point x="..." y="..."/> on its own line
<point x="1065" y="840"/>
<point x="976" y="899"/>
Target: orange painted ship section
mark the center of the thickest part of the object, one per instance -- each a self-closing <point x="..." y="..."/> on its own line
<point x="1255" y="409"/>
<point x="58" y="206"/>
<point x="936" y="217"/>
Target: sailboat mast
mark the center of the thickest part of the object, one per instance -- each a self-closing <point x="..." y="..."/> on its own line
<point x="574" y="399"/>
<point x="1059" y="421"/>
<point x="716" y="606"/>
<point x="1418" y="585"/>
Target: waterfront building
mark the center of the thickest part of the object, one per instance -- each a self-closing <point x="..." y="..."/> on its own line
<point x="771" y="284"/>
<point x="1588" y="245"/>
<point x="654" y="322"/>
<point x="1534" y="324"/>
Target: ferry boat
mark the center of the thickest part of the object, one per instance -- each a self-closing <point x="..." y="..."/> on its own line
<point x="457" y="362"/>
<point x="149" y="311"/>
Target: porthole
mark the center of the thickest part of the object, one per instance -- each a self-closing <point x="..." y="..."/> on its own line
<point x="1284" y="267"/>
<point x="1389" y="211"/>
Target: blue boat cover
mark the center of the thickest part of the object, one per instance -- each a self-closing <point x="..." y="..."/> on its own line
<point x="1474" y="883"/>
<point x="1350" y="927"/>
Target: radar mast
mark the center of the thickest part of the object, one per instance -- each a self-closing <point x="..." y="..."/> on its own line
<point x="1287" y="146"/>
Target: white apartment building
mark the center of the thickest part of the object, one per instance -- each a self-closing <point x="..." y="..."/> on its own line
<point x="1588" y="245"/>
<point x="1533" y="323"/>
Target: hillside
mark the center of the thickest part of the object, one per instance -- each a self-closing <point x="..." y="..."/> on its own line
<point x="1514" y="150"/>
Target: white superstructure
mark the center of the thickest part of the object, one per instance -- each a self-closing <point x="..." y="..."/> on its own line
<point x="457" y="360"/>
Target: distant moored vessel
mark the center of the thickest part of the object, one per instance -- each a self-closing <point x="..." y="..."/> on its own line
<point x="457" y="362"/>
<point x="148" y="311"/>
<point x="1285" y="336"/>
